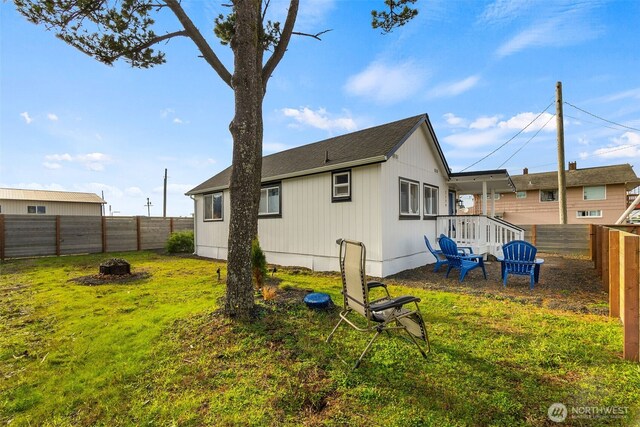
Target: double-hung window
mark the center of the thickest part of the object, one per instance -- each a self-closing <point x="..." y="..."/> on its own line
<point x="213" y="207"/>
<point x="589" y="214"/>
<point x="409" y="199"/>
<point x="270" y="201"/>
<point x="341" y="186"/>
<point x="597" y="192"/>
<point x="430" y="200"/>
<point x="37" y="210"/>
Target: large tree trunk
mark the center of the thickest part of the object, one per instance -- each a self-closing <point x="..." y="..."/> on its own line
<point x="246" y="129"/>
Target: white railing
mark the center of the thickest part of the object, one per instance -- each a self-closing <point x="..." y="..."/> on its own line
<point x="484" y="234"/>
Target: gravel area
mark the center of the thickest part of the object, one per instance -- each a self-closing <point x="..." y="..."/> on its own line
<point x="565" y="284"/>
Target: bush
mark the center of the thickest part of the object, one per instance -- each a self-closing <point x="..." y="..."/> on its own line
<point x="258" y="263"/>
<point x="181" y="241"/>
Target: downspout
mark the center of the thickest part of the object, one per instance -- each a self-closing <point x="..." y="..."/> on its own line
<point x="195" y="224"/>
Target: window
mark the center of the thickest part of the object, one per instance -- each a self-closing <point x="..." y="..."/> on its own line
<point x="589" y="214"/>
<point x="430" y="200"/>
<point x="36" y="210"/>
<point x="496" y="196"/>
<point x="409" y="198"/>
<point x="341" y="186"/>
<point x="521" y="194"/>
<point x="595" y="193"/>
<point x="270" y="201"/>
<point x="213" y="207"/>
<point x="548" y="195"/>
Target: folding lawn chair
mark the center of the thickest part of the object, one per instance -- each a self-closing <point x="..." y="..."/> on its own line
<point x="384" y="314"/>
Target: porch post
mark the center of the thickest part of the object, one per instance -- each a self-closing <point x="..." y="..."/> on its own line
<point x="493" y="203"/>
<point x="484" y="198"/>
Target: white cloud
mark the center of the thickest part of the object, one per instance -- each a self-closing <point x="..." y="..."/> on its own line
<point x="174" y="188"/>
<point x="133" y="191"/>
<point x="387" y="83"/>
<point x="178" y="121"/>
<point x="454" y="120"/>
<point x="519" y="121"/>
<point x="321" y="119"/>
<point x="52" y="117"/>
<point x="626" y="146"/>
<point x="454" y="88"/>
<point x="505" y="11"/>
<point x="484" y="122"/>
<point x="166" y="112"/>
<point x="27" y="118"/>
<point x="92" y="161"/>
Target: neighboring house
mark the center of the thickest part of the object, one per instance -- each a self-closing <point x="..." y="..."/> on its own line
<point x="595" y="195"/>
<point x="39" y="202"/>
<point x="384" y="186"/>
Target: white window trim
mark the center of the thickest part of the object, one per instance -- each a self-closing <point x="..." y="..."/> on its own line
<point x="593" y="186"/>
<point x="588" y="211"/>
<point x="548" y="201"/>
<point x="204" y="201"/>
<point x="521" y="192"/>
<point x="340" y="197"/>
<point x="266" y="189"/>
<point x="37" y="208"/>
<point x="424" y="202"/>
<point x="409" y="214"/>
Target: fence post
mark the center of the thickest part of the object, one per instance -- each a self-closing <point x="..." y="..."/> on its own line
<point x="104" y="234"/>
<point x="58" y="237"/>
<point x="598" y="259"/>
<point x="605" y="258"/>
<point x="614" y="273"/>
<point x="2" y="237"/>
<point x="170" y="226"/>
<point x="592" y="241"/>
<point x="631" y="299"/>
<point x="138" y="232"/>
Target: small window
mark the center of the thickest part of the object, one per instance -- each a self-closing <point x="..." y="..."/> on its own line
<point x="341" y="186"/>
<point x="213" y="207"/>
<point x="37" y="210"/>
<point x="521" y="194"/>
<point x="496" y="196"/>
<point x="269" y="201"/>
<point x="409" y="199"/>
<point x="595" y="193"/>
<point x="589" y="214"/>
<point x="430" y="200"/>
<point x="548" y="195"/>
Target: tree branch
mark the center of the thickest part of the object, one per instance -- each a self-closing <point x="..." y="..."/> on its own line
<point x="281" y="48"/>
<point x="314" y="36"/>
<point x="194" y="34"/>
<point x="150" y="43"/>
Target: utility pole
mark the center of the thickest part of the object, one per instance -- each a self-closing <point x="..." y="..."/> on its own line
<point x="562" y="183"/>
<point x="148" y="205"/>
<point x="164" y="200"/>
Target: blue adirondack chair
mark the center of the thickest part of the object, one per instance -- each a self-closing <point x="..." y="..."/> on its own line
<point x="464" y="263"/>
<point x="439" y="256"/>
<point x="520" y="259"/>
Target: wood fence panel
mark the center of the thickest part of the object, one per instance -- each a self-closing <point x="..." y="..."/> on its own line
<point x="121" y="234"/>
<point x="80" y="234"/>
<point x="631" y="318"/>
<point x="29" y="235"/>
<point x="614" y="273"/>
<point x="559" y="238"/>
<point x="182" y="224"/>
<point x="154" y="232"/>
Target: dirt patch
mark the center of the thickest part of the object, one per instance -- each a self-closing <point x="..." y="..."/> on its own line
<point x="565" y="284"/>
<point x="107" y="279"/>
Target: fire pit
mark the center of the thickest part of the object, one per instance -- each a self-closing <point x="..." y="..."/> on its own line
<point x="115" y="266"/>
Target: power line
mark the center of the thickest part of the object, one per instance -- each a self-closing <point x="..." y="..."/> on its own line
<point x="523" y="145"/>
<point x="600" y="118"/>
<point x="510" y="139"/>
<point x="593" y="123"/>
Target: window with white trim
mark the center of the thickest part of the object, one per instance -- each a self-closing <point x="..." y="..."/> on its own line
<point x="598" y="192"/>
<point x="548" y="195"/>
<point x="269" y="201"/>
<point x="589" y="214"/>
<point x="213" y="206"/>
<point x="409" y="198"/>
<point x="341" y="186"/>
<point x="496" y="196"/>
<point x="430" y="197"/>
<point x="37" y="210"/>
<point x="521" y="194"/>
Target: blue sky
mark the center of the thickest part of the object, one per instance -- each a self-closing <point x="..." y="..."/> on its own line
<point x="482" y="71"/>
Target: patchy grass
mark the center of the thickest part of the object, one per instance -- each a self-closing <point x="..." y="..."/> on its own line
<point x="155" y="352"/>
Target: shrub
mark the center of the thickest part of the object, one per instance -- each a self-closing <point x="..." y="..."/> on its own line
<point x="180" y="241"/>
<point x="258" y="263"/>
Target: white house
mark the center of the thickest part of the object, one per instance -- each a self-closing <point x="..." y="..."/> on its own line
<point x="385" y="186"/>
<point x="41" y="202"/>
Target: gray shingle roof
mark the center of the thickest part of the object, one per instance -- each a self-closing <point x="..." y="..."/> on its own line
<point x="375" y="144"/>
<point x="615" y="174"/>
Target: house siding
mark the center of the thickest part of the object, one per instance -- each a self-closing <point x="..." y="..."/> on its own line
<point x="531" y="210"/>
<point x="305" y="235"/>
<point x="19" y="207"/>
<point x="402" y="239"/>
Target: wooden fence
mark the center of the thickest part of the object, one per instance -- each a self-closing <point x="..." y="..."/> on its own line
<point x="561" y="239"/>
<point x="27" y="236"/>
<point x="616" y="256"/>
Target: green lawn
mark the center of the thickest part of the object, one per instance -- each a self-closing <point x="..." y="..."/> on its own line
<point x="154" y="352"/>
